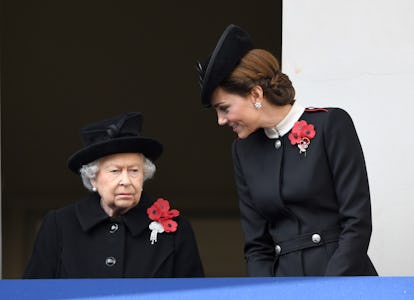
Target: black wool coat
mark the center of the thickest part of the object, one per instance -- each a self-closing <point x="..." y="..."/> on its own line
<point x="81" y="241"/>
<point x="305" y="215"/>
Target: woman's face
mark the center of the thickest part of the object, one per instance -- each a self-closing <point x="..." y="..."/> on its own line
<point x="119" y="182"/>
<point x="236" y="111"/>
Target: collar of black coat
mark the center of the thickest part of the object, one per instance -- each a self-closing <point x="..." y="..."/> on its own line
<point x="287" y="123"/>
<point x="90" y="213"/>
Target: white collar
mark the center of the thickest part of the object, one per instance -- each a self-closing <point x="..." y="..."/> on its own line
<point x="287" y="123"/>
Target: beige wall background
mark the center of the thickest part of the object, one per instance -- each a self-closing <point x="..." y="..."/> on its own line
<point x="359" y="55"/>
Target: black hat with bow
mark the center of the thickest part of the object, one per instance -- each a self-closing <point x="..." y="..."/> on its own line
<point x="233" y="44"/>
<point x="121" y="134"/>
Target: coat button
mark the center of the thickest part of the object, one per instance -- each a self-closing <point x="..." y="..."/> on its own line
<point x="114" y="228"/>
<point x="278" y="144"/>
<point x="278" y="249"/>
<point x="316" y="238"/>
<point x="110" y="261"/>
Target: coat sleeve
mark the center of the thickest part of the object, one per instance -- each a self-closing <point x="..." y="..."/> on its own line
<point x="187" y="262"/>
<point x="351" y="186"/>
<point x="258" y="245"/>
<point x="44" y="259"/>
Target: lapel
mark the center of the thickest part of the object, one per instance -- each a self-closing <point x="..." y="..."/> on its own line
<point x="137" y="219"/>
<point x="90" y="213"/>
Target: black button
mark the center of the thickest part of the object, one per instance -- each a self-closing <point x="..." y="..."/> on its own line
<point x="110" y="261"/>
<point x="278" y="249"/>
<point x="114" y="228"/>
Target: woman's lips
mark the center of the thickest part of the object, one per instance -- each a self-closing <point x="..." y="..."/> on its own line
<point x="124" y="194"/>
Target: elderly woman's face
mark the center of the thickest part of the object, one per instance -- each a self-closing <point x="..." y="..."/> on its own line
<point x="119" y="182"/>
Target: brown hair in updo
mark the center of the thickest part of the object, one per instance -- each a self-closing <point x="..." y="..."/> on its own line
<point x="260" y="67"/>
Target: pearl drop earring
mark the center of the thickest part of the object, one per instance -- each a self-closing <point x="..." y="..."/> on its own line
<point x="94" y="189"/>
<point x="257" y="105"/>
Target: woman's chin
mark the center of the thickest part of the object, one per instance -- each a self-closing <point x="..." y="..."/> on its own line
<point x="125" y="204"/>
<point x="243" y="134"/>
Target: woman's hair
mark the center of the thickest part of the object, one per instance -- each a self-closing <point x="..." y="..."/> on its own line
<point x="90" y="170"/>
<point x="260" y="67"/>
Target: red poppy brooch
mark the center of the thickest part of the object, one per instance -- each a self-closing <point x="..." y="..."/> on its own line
<point x="301" y="134"/>
<point x="161" y="217"/>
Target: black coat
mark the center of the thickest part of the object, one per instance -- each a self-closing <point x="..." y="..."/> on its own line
<point x="287" y="197"/>
<point x="81" y="241"/>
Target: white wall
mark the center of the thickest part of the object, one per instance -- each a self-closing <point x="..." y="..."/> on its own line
<point x="359" y="55"/>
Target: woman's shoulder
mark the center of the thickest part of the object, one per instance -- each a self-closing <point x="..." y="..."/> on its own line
<point x="331" y="121"/>
<point x="67" y="213"/>
<point x="55" y="217"/>
<point x="59" y="212"/>
<point x="326" y="113"/>
<point x="322" y="110"/>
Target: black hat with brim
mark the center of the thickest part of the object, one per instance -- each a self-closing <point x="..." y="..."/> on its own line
<point x="233" y="44"/>
<point x="121" y="134"/>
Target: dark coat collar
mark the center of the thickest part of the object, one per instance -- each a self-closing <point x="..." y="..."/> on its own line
<point x="90" y="213"/>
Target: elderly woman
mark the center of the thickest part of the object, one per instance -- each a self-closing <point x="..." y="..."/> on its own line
<point x="117" y="230"/>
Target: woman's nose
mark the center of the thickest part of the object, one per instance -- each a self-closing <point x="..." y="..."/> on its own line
<point x="221" y="120"/>
<point x="124" y="180"/>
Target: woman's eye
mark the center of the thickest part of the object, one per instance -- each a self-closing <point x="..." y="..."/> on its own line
<point x="134" y="170"/>
<point x="114" y="171"/>
<point x="224" y="109"/>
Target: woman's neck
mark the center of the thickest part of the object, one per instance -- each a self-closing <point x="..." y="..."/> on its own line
<point x="113" y="211"/>
<point x="273" y="115"/>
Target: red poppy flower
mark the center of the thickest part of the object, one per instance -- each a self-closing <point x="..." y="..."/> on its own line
<point x="309" y="131"/>
<point x="169" y="225"/>
<point x="162" y="204"/>
<point x="294" y="137"/>
<point x="173" y="213"/>
<point x="162" y="216"/>
<point x="154" y="213"/>
<point x="299" y="126"/>
<point x="301" y="134"/>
